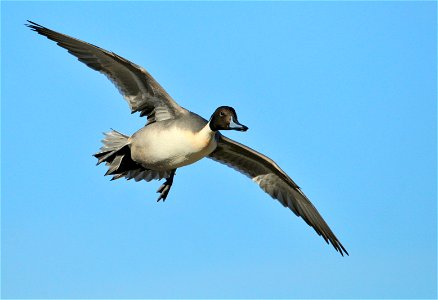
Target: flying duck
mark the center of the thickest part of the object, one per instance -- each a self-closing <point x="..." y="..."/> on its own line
<point x="175" y="137"/>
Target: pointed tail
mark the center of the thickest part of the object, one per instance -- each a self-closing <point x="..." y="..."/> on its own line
<point x="116" y="154"/>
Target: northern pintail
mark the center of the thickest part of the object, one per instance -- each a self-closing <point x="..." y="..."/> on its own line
<point x="175" y="137"/>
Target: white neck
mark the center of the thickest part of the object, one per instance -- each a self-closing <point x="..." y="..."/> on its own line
<point x="206" y="131"/>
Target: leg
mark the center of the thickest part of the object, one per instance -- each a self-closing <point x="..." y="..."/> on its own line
<point x="165" y="187"/>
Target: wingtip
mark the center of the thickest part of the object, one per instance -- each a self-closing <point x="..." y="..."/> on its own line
<point x="345" y="251"/>
<point x="35" y="26"/>
<point x="340" y="248"/>
<point x="32" y="24"/>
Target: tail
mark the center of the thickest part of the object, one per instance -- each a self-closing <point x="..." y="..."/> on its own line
<point x="116" y="153"/>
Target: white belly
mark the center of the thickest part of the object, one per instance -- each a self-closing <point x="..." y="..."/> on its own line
<point x="170" y="148"/>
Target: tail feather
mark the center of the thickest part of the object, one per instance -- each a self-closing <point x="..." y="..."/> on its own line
<point x="116" y="154"/>
<point x="114" y="165"/>
<point x="112" y="142"/>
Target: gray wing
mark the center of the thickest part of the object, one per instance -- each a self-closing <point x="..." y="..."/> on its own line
<point x="147" y="175"/>
<point x="138" y="87"/>
<point x="274" y="181"/>
<point x="141" y="174"/>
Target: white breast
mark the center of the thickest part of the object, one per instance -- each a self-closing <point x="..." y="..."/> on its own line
<point x="165" y="149"/>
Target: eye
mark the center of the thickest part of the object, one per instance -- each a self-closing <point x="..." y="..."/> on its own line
<point x="221" y="114"/>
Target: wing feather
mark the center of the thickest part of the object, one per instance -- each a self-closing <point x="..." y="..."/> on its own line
<point x="275" y="182"/>
<point x="142" y="92"/>
<point x="144" y="174"/>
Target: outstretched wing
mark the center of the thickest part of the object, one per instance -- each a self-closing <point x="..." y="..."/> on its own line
<point x="274" y="181"/>
<point x="138" y="87"/>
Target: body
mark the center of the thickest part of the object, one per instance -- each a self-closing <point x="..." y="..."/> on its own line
<point x="171" y="144"/>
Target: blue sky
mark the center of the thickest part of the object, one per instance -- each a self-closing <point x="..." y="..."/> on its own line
<point x="341" y="95"/>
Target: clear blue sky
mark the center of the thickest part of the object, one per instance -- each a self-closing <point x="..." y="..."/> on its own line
<point x="341" y="95"/>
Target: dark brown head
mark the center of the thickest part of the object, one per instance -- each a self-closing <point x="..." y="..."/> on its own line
<point x="225" y="118"/>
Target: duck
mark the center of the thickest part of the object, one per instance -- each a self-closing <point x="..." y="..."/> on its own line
<point x="174" y="137"/>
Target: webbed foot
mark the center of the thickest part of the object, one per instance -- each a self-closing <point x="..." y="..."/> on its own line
<point x="164" y="189"/>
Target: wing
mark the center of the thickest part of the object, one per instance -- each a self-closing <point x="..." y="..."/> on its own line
<point x="138" y="87"/>
<point x="274" y="181"/>
<point x="147" y="175"/>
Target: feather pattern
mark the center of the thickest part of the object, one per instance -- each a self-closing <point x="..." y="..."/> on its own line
<point x="147" y="175"/>
<point x="275" y="182"/>
<point x="142" y="92"/>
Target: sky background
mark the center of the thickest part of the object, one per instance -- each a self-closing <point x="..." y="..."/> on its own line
<point x="341" y="95"/>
